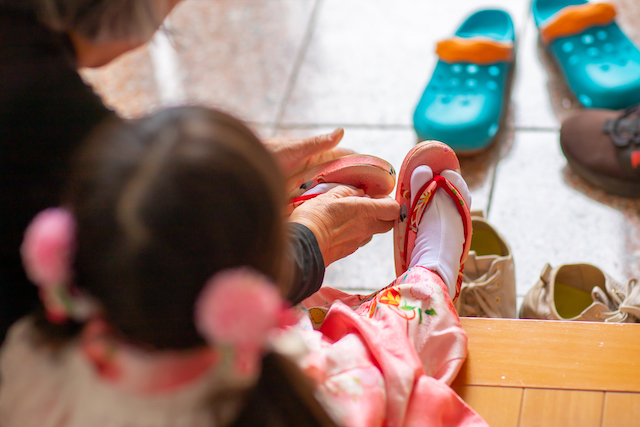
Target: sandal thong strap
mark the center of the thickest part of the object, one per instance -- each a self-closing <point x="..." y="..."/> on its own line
<point x="573" y="20"/>
<point x="477" y="50"/>
<point x="624" y="132"/>
<point x="418" y="208"/>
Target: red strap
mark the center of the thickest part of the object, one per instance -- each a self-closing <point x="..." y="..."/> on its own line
<point x="304" y="198"/>
<point x="441" y="182"/>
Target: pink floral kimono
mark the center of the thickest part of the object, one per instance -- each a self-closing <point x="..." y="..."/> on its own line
<point x="388" y="359"/>
<point x="381" y="360"/>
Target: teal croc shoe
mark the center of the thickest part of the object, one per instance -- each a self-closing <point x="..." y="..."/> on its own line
<point x="599" y="63"/>
<point x="464" y="101"/>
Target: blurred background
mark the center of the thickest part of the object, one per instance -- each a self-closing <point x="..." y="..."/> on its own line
<point x="304" y="67"/>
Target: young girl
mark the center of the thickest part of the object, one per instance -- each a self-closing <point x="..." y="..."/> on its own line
<point x="161" y="280"/>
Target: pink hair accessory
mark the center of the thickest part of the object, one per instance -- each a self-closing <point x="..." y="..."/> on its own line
<point x="241" y="308"/>
<point x="48" y="247"/>
<point x="47" y="250"/>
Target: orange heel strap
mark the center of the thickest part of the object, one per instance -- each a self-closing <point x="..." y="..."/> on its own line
<point x="476" y="50"/>
<point x="573" y="20"/>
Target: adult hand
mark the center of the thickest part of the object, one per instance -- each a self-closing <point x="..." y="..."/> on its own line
<point x="343" y="220"/>
<point x="297" y="154"/>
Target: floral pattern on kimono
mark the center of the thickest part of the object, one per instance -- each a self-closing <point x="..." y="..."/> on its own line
<point x="387" y="359"/>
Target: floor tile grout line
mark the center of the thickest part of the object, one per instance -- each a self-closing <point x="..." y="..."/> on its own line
<point x="166" y="67"/>
<point x="520" y="35"/>
<point x="521" y="32"/>
<point x="299" y="59"/>
<point x="525" y="25"/>
<point x="536" y="129"/>
<point x="346" y="125"/>
<point x="333" y="125"/>
<point x="493" y="186"/>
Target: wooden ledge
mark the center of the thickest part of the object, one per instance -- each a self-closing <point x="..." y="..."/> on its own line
<point x="550" y="354"/>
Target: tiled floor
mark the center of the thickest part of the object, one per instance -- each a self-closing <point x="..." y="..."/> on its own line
<point x="303" y="67"/>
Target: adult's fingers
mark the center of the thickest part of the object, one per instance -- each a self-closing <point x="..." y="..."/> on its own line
<point x="327" y="155"/>
<point x="385" y="208"/>
<point x="382" y="208"/>
<point x="339" y="152"/>
<point x="344" y="191"/>
<point x="382" y="227"/>
<point x="317" y="144"/>
<point x="366" y="241"/>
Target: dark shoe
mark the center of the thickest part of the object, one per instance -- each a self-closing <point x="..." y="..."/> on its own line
<point x="603" y="147"/>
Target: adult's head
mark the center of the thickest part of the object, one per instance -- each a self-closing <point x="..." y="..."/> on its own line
<point x="100" y="30"/>
<point x="164" y="203"/>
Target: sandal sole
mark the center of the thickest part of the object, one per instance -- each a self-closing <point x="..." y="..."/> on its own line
<point x="375" y="176"/>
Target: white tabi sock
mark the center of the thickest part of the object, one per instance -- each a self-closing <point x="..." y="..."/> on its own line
<point x="441" y="232"/>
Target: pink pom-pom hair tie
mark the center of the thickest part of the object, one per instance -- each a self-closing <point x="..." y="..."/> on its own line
<point x="240" y="309"/>
<point x="47" y="251"/>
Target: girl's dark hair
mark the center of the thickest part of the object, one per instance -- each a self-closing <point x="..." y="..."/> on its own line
<point x="164" y="203"/>
<point x="283" y="397"/>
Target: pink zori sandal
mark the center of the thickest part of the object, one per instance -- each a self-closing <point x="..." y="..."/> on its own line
<point x="438" y="157"/>
<point x="372" y="174"/>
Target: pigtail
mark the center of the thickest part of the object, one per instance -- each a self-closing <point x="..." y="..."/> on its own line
<point x="283" y="396"/>
<point x="240" y="310"/>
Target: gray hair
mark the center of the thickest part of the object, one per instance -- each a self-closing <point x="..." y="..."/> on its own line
<point x="99" y="20"/>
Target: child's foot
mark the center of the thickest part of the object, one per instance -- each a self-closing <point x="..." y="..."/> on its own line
<point x="440" y="239"/>
<point x="440" y="243"/>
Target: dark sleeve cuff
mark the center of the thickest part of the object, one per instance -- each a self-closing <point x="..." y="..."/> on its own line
<point x="308" y="263"/>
